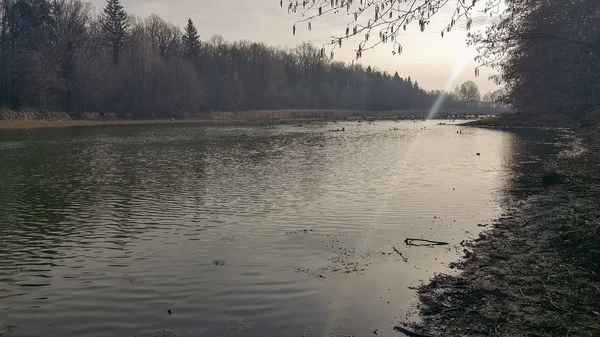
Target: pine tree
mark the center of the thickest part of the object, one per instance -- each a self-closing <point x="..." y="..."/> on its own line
<point x="191" y="41"/>
<point x="115" y="24"/>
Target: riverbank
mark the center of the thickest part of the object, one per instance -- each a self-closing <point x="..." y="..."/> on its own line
<point x="35" y="120"/>
<point x="63" y="123"/>
<point x="536" y="272"/>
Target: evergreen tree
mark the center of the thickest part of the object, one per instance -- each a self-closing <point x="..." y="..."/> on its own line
<point x="115" y="24"/>
<point x="191" y="41"/>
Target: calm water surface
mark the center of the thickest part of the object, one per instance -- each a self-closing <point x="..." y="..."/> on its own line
<point x="239" y="231"/>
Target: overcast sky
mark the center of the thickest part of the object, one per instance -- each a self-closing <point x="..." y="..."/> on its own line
<point x="426" y="57"/>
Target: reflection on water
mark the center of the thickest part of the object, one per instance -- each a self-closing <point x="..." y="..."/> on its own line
<point x="237" y="230"/>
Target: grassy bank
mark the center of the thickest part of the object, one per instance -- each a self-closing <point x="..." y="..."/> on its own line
<point x="32" y="119"/>
<point x="537" y="271"/>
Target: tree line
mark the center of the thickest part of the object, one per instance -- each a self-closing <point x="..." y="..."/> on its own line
<point x="56" y="55"/>
<point x="548" y="55"/>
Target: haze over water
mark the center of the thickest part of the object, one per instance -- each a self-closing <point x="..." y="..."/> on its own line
<point x="283" y="231"/>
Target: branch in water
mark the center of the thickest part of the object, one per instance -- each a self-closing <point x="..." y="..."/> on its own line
<point x="423" y="242"/>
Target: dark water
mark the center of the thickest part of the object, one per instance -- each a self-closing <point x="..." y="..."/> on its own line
<point x="240" y="231"/>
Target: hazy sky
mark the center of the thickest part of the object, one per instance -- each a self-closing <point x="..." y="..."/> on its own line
<point x="426" y="57"/>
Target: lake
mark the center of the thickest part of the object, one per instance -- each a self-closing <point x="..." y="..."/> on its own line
<point x="238" y="231"/>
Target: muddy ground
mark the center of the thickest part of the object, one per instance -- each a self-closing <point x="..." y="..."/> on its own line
<point x="536" y="272"/>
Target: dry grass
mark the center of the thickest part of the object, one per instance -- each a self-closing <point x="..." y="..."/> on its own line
<point x="28" y="116"/>
<point x="45" y="123"/>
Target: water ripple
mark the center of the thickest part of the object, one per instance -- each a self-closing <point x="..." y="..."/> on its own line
<point x="104" y="230"/>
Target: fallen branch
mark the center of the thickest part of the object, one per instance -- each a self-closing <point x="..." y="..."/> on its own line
<point x="409" y="333"/>
<point x="402" y="256"/>
<point x="423" y="242"/>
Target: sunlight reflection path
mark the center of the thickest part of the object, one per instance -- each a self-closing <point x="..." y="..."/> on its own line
<point x="345" y="289"/>
<point x="459" y="68"/>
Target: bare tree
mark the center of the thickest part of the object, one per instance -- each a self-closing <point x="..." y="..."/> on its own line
<point x="487" y="98"/>
<point x="72" y="35"/>
<point x="164" y="37"/>
<point x="469" y="92"/>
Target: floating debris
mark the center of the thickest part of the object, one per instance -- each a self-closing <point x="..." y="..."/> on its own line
<point x="6" y="330"/>
<point x="299" y="231"/>
<point x="409" y="333"/>
<point x="158" y="333"/>
<point x="399" y="253"/>
<point x="424" y="242"/>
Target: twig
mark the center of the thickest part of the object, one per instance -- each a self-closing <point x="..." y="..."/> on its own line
<point x="550" y="297"/>
<point x="397" y="251"/>
<point x="423" y="242"/>
<point x="570" y="272"/>
<point x="409" y="333"/>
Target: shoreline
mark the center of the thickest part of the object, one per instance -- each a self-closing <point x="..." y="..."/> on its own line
<point x="65" y="123"/>
<point x="19" y="121"/>
<point x="536" y="271"/>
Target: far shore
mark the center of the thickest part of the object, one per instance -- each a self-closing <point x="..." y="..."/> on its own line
<point x="63" y="123"/>
<point x="30" y="120"/>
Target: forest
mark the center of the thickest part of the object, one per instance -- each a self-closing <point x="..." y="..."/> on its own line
<point x="56" y="55"/>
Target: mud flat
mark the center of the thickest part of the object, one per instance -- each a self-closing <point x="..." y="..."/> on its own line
<point x="536" y="271"/>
